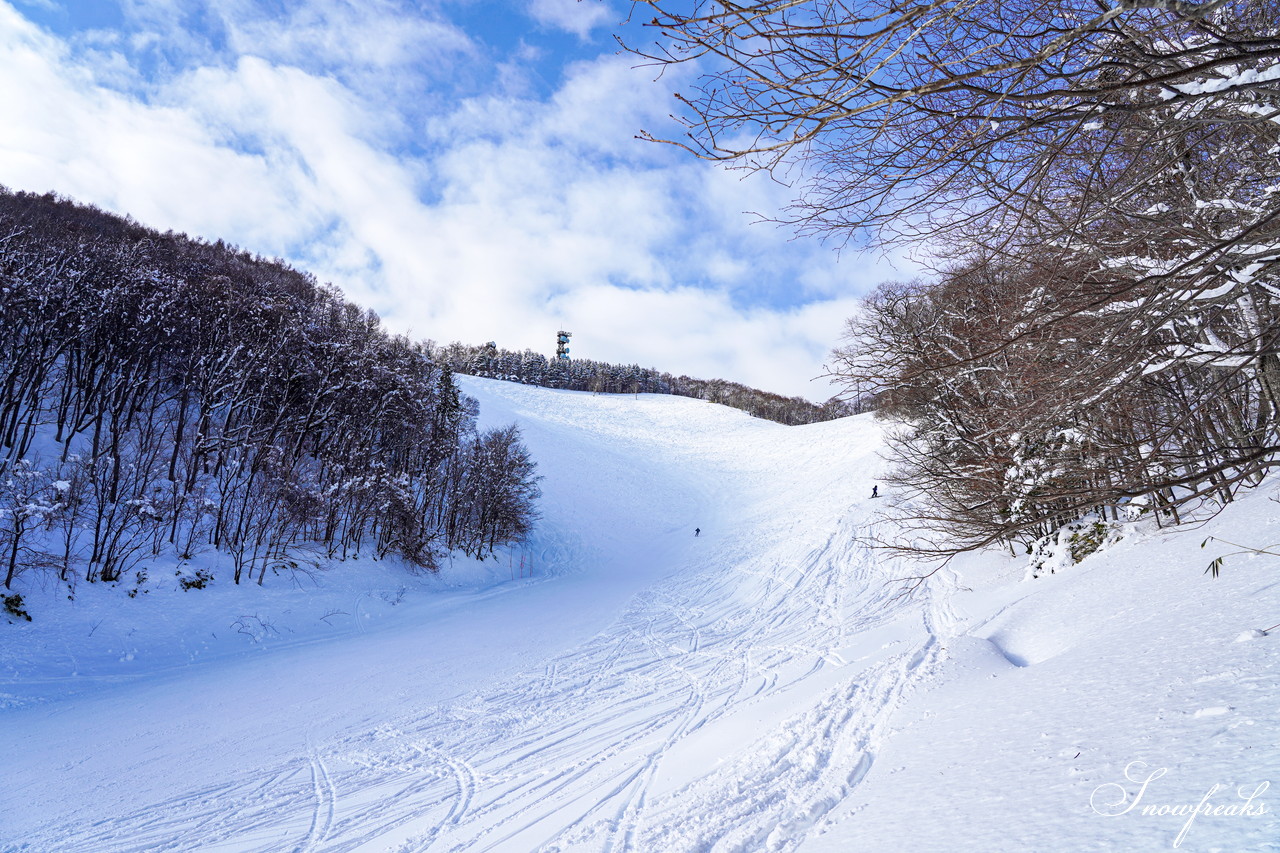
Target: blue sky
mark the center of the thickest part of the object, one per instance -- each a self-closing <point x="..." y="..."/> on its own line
<point x="468" y="169"/>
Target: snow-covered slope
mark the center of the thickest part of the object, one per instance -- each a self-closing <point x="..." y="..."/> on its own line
<point x="761" y="686"/>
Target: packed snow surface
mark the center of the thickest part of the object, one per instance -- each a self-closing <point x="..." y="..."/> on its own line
<point x="618" y="683"/>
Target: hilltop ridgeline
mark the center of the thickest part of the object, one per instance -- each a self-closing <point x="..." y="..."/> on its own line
<point x="581" y="374"/>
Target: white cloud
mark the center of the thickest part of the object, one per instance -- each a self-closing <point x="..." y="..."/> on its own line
<point x="579" y="17"/>
<point x="343" y="33"/>
<point x="701" y="333"/>
<point x="161" y="164"/>
<point x="513" y="218"/>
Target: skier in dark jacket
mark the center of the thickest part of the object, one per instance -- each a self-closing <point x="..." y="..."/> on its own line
<point x="875" y="491"/>
<point x="697" y="530"/>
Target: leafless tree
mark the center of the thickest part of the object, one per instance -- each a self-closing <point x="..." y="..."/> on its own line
<point x="1139" y="134"/>
<point x="1007" y="445"/>
<point x="1097" y="184"/>
<point x="201" y="397"/>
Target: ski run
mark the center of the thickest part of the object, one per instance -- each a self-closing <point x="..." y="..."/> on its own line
<point x="620" y="684"/>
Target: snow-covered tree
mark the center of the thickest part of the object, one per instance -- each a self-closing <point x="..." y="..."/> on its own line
<point x="201" y="397"/>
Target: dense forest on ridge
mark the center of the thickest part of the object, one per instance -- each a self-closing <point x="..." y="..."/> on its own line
<point x="584" y="374"/>
<point x="162" y="394"/>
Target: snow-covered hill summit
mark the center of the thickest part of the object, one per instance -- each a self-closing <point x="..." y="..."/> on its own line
<point x="620" y="683"/>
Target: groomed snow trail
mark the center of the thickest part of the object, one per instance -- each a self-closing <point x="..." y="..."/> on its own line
<point x="729" y="703"/>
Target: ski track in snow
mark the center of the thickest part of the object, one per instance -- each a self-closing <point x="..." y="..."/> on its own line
<point x="687" y="725"/>
<point x="326" y="801"/>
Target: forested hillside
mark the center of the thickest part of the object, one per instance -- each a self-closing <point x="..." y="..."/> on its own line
<point x="584" y="374"/>
<point x="163" y="394"/>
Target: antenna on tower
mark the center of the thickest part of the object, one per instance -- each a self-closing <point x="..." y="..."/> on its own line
<point x="562" y="345"/>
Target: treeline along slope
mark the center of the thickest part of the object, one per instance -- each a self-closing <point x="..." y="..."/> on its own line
<point x="584" y="374"/>
<point x="160" y="393"/>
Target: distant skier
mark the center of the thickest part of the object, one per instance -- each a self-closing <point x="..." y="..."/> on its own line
<point x="697" y="530"/>
<point x="875" y="491"/>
